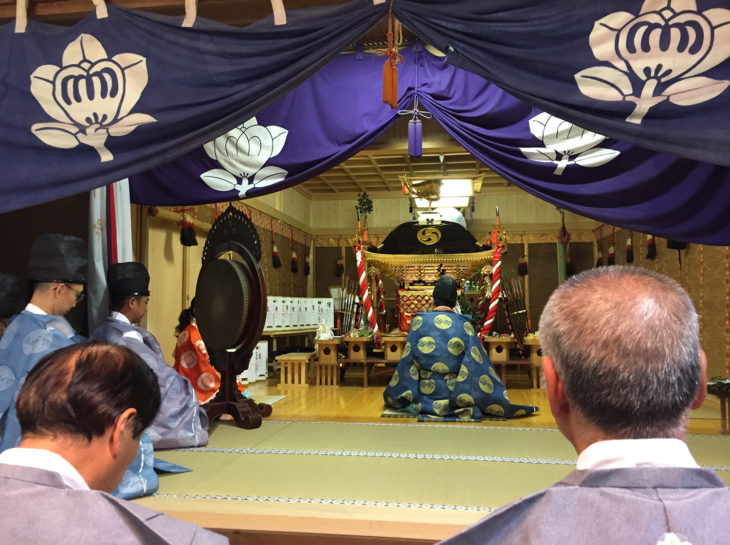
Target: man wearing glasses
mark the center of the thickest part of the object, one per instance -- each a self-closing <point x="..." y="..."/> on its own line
<point x="57" y="272"/>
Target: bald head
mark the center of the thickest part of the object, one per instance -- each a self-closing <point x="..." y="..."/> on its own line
<point x="625" y="343"/>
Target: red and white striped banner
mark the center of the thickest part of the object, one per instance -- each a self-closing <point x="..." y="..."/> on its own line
<point x="364" y="293"/>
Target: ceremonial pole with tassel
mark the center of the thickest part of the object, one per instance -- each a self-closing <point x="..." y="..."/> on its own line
<point x="381" y="300"/>
<point x="362" y="277"/>
<point x="496" y="281"/>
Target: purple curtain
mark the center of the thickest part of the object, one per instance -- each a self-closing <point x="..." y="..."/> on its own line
<point x="653" y="73"/>
<point x="90" y="104"/>
<point x="339" y="111"/>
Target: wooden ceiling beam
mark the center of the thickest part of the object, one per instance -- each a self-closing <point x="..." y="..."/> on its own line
<point x="232" y="12"/>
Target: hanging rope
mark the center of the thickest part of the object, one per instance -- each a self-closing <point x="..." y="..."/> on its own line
<point x="307" y="249"/>
<point x="630" y="248"/>
<point x="294" y="261"/>
<point x="611" y="260"/>
<point x="390" y="70"/>
<point x="415" y="128"/>
<point x="275" y="259"/>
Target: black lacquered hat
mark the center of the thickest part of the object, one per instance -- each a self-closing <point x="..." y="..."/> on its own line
<point x="444" y="292"/>
<point x="130" y="278"/>
<point x="58" y="258"/>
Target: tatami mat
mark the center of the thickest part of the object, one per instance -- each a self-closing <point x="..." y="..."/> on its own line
<point x="404" y="465"/>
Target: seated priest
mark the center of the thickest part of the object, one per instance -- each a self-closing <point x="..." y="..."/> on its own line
<point x="57" y="273"/>
<point x="191" y="356"/>
<point x="54" y="487"/>
<point x="444" y="373"/>
<point x="180" y="422"/>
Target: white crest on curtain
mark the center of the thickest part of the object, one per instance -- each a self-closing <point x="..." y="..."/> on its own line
<point x="566" y="144"/>
<point x="90" y="96"/>
<point x="243" y="152"/>
<point x="657" y="55"/>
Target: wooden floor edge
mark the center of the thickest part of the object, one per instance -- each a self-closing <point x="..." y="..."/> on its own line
<point x="361" y="524"/>
<point x="320" y="526"/>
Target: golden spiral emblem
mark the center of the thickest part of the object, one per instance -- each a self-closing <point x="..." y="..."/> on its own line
<point x="463" y="374"/>
<point x="441" y="406"/>
<point x="416" y="323"/>
<point x="476" y="354"/>
<point x="406" y="350"/>
<point x="428" y="236"/>
<point x="407" y="395"/>
<point x="469" y="329"/>
<point x="413" y="371"/>
<point x="456" y="346"/>
<point x="505" y="395"/>
<point x="496" y="410"/>
<point x="486" y="384"/>
<point x="394" y="379"/>
<point x="427" y="345"/>
<point x="465" y="400"/>
<point x="493" y="372"/>
<point x="427" y="386"/>
<point x="440" y="367"/>
<point x="442" y="321"/>
<point x="466" y="413"/>
<point x="521" y="412"/>
<point x="451" y="383"/>
<point x="425" y="374"/>
<point x="417" y="407"/>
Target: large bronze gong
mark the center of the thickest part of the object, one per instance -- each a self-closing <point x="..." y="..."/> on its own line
<point x="230" y="308"/>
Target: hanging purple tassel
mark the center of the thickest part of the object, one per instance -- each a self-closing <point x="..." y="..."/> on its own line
<point x="415" y="138"/>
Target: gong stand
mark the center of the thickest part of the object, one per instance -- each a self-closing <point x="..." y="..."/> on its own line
<point x="230" y="308"/>
<point x="245" y="412"/>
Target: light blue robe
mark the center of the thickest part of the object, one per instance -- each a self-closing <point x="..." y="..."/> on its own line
<point x="445" y="374"/>
<point x="180" y="422"/>
<point x="27" y="339"/>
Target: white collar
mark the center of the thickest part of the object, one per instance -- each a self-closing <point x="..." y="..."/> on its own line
<point x="47" y="460"/>
<point x="619" y="453"/>
<point x="120" y="317"/>
<point x="33" y="309"/>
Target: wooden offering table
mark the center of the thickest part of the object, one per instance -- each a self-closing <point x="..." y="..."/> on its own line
<point x="498" y="351"/>
<point x="393" y="347"/>
<point x="357" y="347"/>
<point x="294" y="369"/>
<point x="327" y="366"/>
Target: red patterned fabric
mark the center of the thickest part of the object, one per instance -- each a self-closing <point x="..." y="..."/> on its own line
<point x="192" y="361"/>
<point x="409" y="304"/>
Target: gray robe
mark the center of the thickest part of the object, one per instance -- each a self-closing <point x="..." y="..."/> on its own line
<point x="632" y="506"/>
<point x="180" y="422"/>
<point x="40" y="509"/>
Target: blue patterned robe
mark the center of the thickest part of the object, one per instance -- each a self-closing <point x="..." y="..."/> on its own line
<point x="445" y="374"/>
<point x="180" y="422"/>
<point x="27" y="339"/>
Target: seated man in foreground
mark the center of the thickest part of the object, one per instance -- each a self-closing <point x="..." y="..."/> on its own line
<point x="57" y="273"/>
<point x="623" y="367"/>
<point x="180" y="422"/>
<point x="444" y="372"/>
<point x="54" y="486"/>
